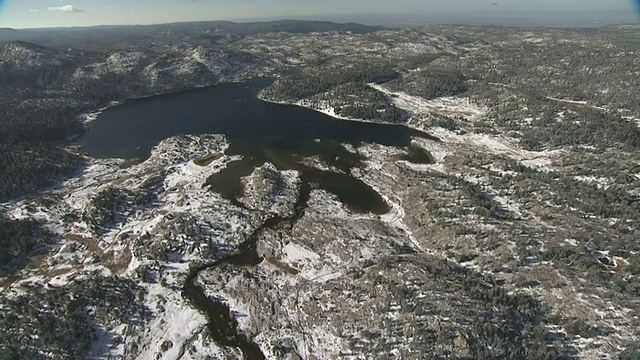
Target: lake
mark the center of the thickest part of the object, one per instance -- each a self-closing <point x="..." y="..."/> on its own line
<point x="257" y="130"/>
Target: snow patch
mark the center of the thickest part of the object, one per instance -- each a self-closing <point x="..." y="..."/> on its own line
<point x="451" y="106"/>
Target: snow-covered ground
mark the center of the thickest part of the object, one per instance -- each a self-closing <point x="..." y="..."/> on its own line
<point x="176" y="326"/>
<point x="421" y="109"/>
<point x="278" y="303"/>
<point x="447" y="106"/>
<point x="271" y="190"/>
<point x="319" y="106"/>
<point x="180" y="200"/>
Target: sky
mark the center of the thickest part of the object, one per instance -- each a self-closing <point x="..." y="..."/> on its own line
<point x="56" y="13"/>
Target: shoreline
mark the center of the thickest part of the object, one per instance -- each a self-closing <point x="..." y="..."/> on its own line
<point x="90" y="116"/>
<point x="329" y="111"/>
<point x="87" y="118"/>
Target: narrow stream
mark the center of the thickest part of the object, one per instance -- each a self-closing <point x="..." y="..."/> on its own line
<point x="222" y="325"/>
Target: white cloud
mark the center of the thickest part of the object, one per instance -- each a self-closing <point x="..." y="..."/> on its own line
<point x="66" y="8"/>
<point x="34" y="10"/>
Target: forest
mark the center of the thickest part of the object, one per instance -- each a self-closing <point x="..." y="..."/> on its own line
<point x="19" y="238"/>
<point x="59" y="322"/>
<point x="431" y="83"/>
<point x="33" y="154"/>
<point x="326" y="76"/>
<point x="344" y="88"/>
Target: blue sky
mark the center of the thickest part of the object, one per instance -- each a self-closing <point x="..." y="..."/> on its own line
<point x="43" y="13"/>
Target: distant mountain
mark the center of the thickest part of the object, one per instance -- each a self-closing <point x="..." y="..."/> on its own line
<point x="134" y="36"/>
<point x="300" y="26"/>
<point x="291" y="26"/>
<point x="25" y="54"/>
<point x="122" y="73"/>
<point x="9" y="34"/>
<point x="26" y="64"/>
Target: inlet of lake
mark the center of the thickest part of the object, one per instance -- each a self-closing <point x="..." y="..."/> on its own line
<point x="259" y="131"/>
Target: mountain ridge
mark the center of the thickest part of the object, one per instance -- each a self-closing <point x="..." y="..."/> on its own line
<point x="100" y="36"/>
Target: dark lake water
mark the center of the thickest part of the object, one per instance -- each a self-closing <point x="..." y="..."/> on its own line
<point x="260" y="131"/>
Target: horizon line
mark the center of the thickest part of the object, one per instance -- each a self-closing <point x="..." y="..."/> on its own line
<point x="504" y="18"/>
